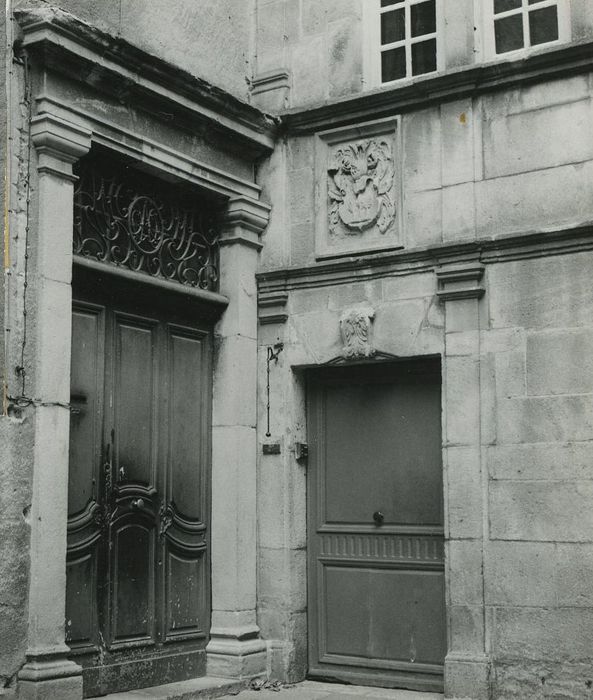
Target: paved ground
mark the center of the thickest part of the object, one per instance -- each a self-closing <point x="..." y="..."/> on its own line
<point x="311" y="690"/>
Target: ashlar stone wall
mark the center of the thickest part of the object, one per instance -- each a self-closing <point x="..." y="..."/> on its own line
<point x="507" y="163"/>
<point x="539" y="453"/>
<point x="518" y="418"/>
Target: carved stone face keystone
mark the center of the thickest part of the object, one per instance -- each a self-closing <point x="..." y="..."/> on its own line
<point x="355" y="328"/>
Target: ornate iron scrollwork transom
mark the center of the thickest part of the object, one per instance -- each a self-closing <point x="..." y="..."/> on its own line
<point x="126" y="218"/>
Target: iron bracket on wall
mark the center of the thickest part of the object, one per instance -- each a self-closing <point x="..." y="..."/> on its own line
<point x="272" y="356"/>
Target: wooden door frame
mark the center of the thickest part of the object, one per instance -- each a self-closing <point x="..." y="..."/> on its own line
<point x="62" y="135"/>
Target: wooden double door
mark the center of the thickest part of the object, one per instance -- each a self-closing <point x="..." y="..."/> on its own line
<point x="375" y="520"/>
<point x="138" y="598"/>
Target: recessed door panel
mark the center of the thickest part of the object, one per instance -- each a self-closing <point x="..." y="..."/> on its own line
<point x="81" y="594"/>
<point x="375" y="543"/>
<point x="133" y="608"/>
<point x="187" y="397"/>
<point x="380" y="453"/>
<point x="395" y="623"/>
<point x="185" y="594"/>
<point x="85" y="399"/>
<point x="135" y="399"/>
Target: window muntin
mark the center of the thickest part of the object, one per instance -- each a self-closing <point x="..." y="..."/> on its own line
<point x="518" y="25"/>
<point x="408" y="39"/>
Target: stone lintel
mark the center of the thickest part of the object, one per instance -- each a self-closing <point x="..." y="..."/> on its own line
<point x="272" y="308"/>
<point x="460" y="281"/>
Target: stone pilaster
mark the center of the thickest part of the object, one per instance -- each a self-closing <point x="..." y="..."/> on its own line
<point x="48" y="673"/>
<point x="235" y="648"/>
<point x="467" y="664"/>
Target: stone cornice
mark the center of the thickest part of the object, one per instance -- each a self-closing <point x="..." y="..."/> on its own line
<point x="450" y="85"/>
<point x="74" y="48"/>
<point x="405" y="262"/>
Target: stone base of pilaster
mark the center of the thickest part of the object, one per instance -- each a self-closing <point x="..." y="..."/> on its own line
<point x="236" y="653"/>
<point x="49" y="678"/>
<point x="467" y="677"/>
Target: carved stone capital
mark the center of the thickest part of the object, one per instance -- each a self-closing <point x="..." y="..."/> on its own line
<point x="270" y="90"/>
<point x="244" y="220"/>
<point x="249" y="214"/>
<point x="59" y="143"/>
<point x="272" y="307"/>
<point x="460" y="281"/>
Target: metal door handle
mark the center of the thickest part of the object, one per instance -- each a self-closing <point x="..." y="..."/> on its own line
<point x="378" y="517"/>
<point x="138" y="503"/>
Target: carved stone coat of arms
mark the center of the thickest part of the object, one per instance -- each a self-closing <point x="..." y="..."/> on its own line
<point x="358" y="189"/>
<point x="360" y="185"/>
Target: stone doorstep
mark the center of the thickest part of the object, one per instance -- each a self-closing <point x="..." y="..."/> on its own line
<point x="318" y="690"/>
<point x="209" y="687"/>
<point x="204" y="688"/>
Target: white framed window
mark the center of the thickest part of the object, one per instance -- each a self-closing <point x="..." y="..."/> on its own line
<point x="517" y="26"/>
<point x="403" y="39"/>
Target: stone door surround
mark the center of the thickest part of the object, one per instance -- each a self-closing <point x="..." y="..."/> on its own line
<point x="60" y="136"/>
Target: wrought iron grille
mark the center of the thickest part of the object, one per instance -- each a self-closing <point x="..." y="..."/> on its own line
<point x="126" y="218"/>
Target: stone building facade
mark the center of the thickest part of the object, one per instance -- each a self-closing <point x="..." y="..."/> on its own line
<point x="298" y="318"/>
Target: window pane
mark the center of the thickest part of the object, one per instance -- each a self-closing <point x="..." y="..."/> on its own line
<point x="543" y="25"/>
<point x="423" y="18"/>
<point x="504" y="5"/>
<point x="533" y="2"/>
<point x="393" y="26"/>
<point x="508" y="33"/>
<point x="424" y="57"/>
<point x="393" y="64"/>
<point x="386" y="3"/>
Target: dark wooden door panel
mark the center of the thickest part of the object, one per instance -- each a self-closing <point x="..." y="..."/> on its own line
<point x="138" y="597"/>
<point x="187" y="598"/>
<point x="88" y="327"/>
<point x="376" y="574"/>
<point x="132" y="606"/>
<point x="81" y="594"/>
<point x="188" y="397"/>
<point x="396" y="624"/>
<point x="380" y="452"/>
<point x="135" y="399"/>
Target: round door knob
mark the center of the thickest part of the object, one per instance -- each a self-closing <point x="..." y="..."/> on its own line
<point x="378" y="517"/>
<point x="137" y="503"/>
